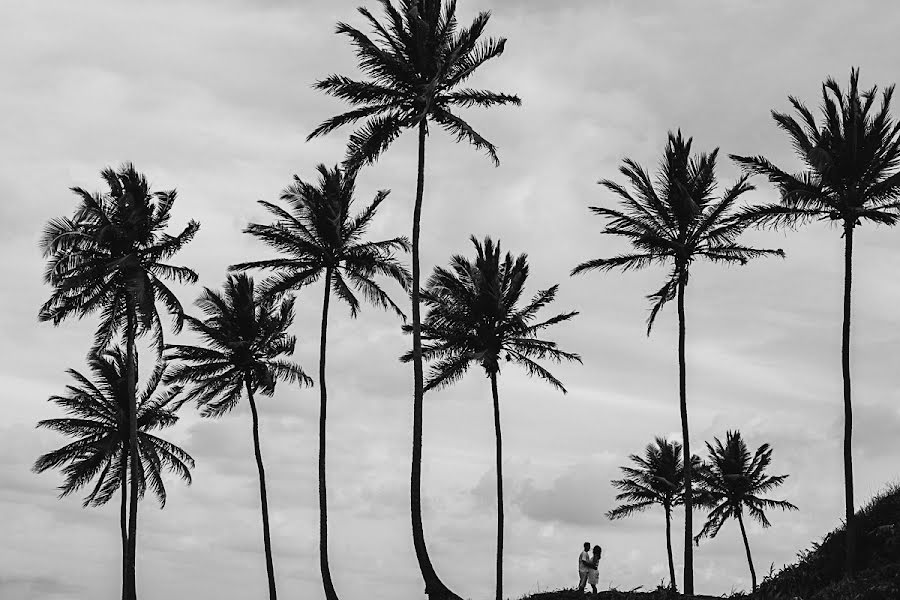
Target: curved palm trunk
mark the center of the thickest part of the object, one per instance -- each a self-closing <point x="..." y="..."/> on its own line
<point x="688" y="494"/>
<point x="499" y="595"/>
<point x="263" y="498"/>
<point x="130" y="379"/>
<point x="747" y="548"/>
<point x="848" y="408"/>
<point x="123" y="519"/>
<point x="330" y="594"/>
<point x="672" y="584"/>
<point x="434" y="587"/>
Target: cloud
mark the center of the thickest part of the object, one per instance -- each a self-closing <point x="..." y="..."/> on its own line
<point x="577" y="497"/>
<point x="876" y="428"/>
<point x="37" y="588"/>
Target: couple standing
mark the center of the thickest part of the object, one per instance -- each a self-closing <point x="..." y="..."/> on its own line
<point x="588" y="567"/>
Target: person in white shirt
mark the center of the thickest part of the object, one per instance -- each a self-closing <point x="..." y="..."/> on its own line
<point x="585" y="566"/>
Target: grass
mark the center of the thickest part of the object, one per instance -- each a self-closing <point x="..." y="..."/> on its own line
<point x="612" y="594"/>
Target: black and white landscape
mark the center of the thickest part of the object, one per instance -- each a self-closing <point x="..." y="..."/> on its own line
<point x="619" y="145"/>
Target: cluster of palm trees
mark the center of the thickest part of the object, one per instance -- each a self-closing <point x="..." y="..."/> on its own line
<point x="108" y="258"/>
<point x="730" y="482"/>
<point x="852" y="175"/>
<point x="111" y="258"/>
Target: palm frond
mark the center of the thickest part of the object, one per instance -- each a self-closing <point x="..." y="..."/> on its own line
<point x="625" y="262"/>
<point x="465" y="133"/>
<point x="626" y="510"/>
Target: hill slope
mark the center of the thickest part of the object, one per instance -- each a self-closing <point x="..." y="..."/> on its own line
<point x="818" y="572"/>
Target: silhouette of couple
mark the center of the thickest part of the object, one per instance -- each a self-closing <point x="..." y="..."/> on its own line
<point x="588" y="567"/>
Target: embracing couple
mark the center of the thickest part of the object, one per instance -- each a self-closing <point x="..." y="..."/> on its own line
<point x="588" y="567"/>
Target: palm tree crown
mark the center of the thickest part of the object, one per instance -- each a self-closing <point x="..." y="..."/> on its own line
<point x="112" y="252"/>
<point x="416" y="62"/>
<point x="318" y="233"/>
<point x="657" y="478"/>
<point x="99" y="409"/>
<point x="473" y="318"/>
<point x="733" y="480"/>
<point x="245" y="344"/>
<point x="677" y="221"/>
<point x="851" y="161"/>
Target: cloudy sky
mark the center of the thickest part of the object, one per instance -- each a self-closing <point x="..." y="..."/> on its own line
<point x="214" y="99"/>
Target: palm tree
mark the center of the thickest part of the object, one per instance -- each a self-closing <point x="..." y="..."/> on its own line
<point x="245" y="345"/>
<point x="675" y="223"/>
<point x="319" y="237"/>
<point x="416" y="62"/>
<point x="100" y="420"/>
<point x="109" y="257"/>
<point x="658" y="478"/>
<point x="473" y="319"/>
<point x="732" y="481"/>
<point x="850" y="176"/>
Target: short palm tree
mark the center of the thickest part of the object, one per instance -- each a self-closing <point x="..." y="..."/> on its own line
<point x="657" y="479"/>
<point x="474" y="319"/>
<point x="851" y="175"/>
<point x="319" y="237"/>
<point x="731" y="481"/>
<point x="99" y="409"/>
<point x="111" y="257"/>
<point x="416" y="62"/>
<point x="675" y="222"/>
<point x="245" y="348"/>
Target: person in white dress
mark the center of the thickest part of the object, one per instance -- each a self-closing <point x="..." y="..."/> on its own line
<point x="594" y="572"/>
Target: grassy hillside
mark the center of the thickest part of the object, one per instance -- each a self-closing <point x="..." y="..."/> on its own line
<point x="818" y="572"/>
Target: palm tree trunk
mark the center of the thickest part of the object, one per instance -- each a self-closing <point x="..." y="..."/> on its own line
<point x="263" y="498"/>
<point x="496" y="395"/>
<point x="330" y="594"/>
<point x="434" y="587"/>
<point x="130" y="380"/>
<point x="688" y="495"/>
<point x="123" y="520"/>
<point x="672" y="584"/>
<point x="747" y="548"/>
<point x="848" y="407"/>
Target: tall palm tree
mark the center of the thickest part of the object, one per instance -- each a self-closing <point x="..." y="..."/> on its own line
<point x="318" y="236"/>
<point x="416" y="63"/>
<point x="657" y="478"/>
<point x="245" y="345"/>
<point x="732" y="481"/>
<point x="474" y="319"/>
<point x="675" y="223"/>
<point x="851" y="175"/>
<point x="100" y="410"/>
<point x="110" y="257"/>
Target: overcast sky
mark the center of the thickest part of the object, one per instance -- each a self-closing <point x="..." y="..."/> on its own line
<point x="214" y="99"/>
